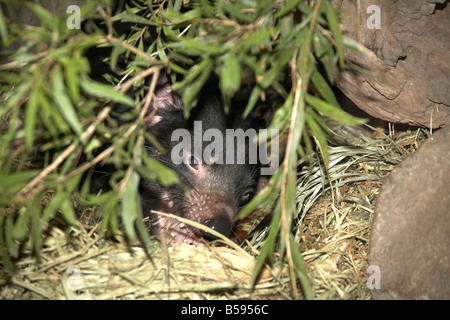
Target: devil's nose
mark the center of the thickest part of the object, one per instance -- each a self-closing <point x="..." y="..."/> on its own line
<point x="220" y="224"/>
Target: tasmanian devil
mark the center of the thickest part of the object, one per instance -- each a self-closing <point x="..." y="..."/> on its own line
<point x="209" y="158"/>
<point x="219" y="171"/>
<point x="212" y="156"/>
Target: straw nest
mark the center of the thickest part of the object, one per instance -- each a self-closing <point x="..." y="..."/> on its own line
<point x="334" y="215"/>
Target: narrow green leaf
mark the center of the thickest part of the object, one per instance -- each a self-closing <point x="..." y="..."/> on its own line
<point x="116" y="51"/>
<point x="234" y="11"/>
<point x="68" y="211"/>
<point x="143" y="233"/>
<point x="321" y="45"/>
<point x="324" y="89"/>
<point x="12" y="99"/>
<point x="197" y="47"/>
<point x="180" y="18"/>
<point x="267" y="249"/>
<point x="194" y="73"/>
<point x="254" y="97"/>
<point x="282" y="115"/>
<point x="320" y="121"/>
<point x="300" y="269"/>
<point x="230" y="80"/>
<point x="130" y="206"/>
<point x="125" y="17"/>
<point x="260" y="37"/>
<point x="333" y="23"/>
<point x="274" y="72"/>
<point x="36" y="231"/>
<point x="190" y="93"/>
<point x="71" y="77"/>
<point x="318" y="134"/>
<point x="263" y="8"/>
<point x="3" y="28"/>
<point x="333" y="112"/>
<point x="46" y="17"/>
<point x="327" y="64"/>
<point x="105" y="91"/>
<point x="7" y="263"/>
<point x="13" y="246"/>
<point x="178" y="69"/>
<point x="64" y="104"/>
<point x="152" y="169"/>
<point x="51" y="117"/>
<point x="111" y="211"/>
<point x="160" y="49"/>
<point x="30" y="118"/>
<point x="13" y="182"/>
<point x="289" y="5"/>
<point x="21" y="226"/>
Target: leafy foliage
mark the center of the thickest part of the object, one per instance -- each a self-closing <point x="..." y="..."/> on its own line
<point x="52" y="107"/>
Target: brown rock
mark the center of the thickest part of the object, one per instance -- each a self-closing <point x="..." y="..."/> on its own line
<point x="409" y="55"/>
<point x="410" y="240"/>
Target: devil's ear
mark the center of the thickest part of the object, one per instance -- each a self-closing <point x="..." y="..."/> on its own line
<point x="164" y="101"/>
<point x="259" y="118"/>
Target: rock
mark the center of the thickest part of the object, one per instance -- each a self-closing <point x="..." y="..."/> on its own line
<point x="408" y="53"/>
<point x="410" y="240"/>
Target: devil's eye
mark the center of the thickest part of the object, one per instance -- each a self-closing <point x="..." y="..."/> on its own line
<point x="193" y="162"/>
<point x="247" y="196"/>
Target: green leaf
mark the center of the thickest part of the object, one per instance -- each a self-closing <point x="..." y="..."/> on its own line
<point x="111" y="211"/>
<point x="21" y="226"/>
<point x="194" y="73"/>
<point x="71" y="76"/>
<point x="6" y="259"/>
<point x="125" y="17"/>
<point x="263" y="8"/>
<point x="321" y="45"/>
<point x="300" y="270"/>
<point x="131" y="209"/>
<point x="46" y="17"/>
<point x="13" y="246"/>
<point x="160" y="49"/>
<point x="234" y="11"/>
<point x="287" y="8"/>
<point x="67" y="210"/>
<point x="260" y="37"/>
<point x="191" y="91"/>
<point x="52" y="119"/>
<point x="105" y="91"/>
<point x="320" y="137"/>
<point x="153" y="169"/>
<point x="230" y="80"/>
<point x="197" y="47"/>
<point x="333" y="112"/>
<point x="13" y="182"/>
<point x="333" y="23"/>
<point x="268" y="247"/>
<point x="3" y="28"/>
<point x="254" y="97"/>
<point x="30" y="118"/>
<point x="14" y="97"/>
<point x="116" y="51"/>
<point x="324" y="89"/>
<point x="64" y="104"/>
<point x="176" y="18"/>
<point x="277" y="68"/>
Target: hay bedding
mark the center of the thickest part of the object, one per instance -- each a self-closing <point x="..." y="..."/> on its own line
<point x="332" y="230"/>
